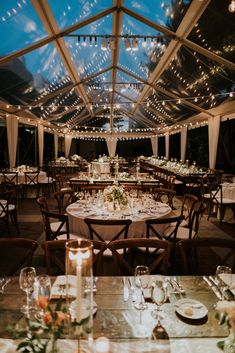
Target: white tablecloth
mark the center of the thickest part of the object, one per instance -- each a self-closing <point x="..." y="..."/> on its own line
<point x="100" y="167"/>
<point x="80" y="210"/>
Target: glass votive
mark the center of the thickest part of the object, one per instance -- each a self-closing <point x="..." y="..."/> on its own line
<point x="102" y="345"/>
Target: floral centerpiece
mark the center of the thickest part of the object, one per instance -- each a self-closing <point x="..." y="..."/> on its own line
<point x="226" y="315"/>
<point x="116" y="193"/>
<point x="40" y="335"/>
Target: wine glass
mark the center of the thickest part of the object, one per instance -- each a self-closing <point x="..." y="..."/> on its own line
<point x="142" y="281"/>
<point x="159" y="296"/>
<point x="43" y="292"/>
<point x="26" y="281"/>
<point x="224" y="278"/>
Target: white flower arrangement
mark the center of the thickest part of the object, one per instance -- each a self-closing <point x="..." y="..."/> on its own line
<point x="116" y="193"/>
<point x="227" y="308"/>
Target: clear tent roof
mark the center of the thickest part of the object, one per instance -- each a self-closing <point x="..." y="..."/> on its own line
<point x="115" y="65"/>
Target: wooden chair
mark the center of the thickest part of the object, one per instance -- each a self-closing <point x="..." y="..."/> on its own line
<point x="11" y="177"/>
<point x="15" y="253"/>
<point x="31" y="183"/>
<point x="8" y="209"/>
<point x="126" y="255"/>
<point x="191" y="231"/>
<point x="116" y="228"/>
<point x="187" y="208"/>
<point x="158" y="232"/>
<point x="55" y="256"/>
<point x="64" y="198"/>
<point x="42" y="203"/>
<point x="194" y="184"/>
<point x="164" y="195"/>
<point x="206" y="253"/>
<point x="56" y="226"/>
<point x="214" y="197"/>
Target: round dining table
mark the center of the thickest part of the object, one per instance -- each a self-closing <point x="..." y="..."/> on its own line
<point x="138" y="214"/>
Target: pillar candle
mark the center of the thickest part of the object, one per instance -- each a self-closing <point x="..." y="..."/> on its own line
<point x="79" y="287"/>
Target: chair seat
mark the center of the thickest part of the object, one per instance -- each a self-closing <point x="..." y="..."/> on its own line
<point x="184" y="223"/>
<point x="182" y="233"/>
<point x="55" y="225"/>
<point x="64" y="236"/>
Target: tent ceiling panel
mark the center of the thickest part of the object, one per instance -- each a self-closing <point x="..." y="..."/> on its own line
<point x="215" y="30"/>
<point x="68" y="13"/>
<point x="167" y="13"/>
<point x="20" y="26"/>
<point x="67" y="63"/>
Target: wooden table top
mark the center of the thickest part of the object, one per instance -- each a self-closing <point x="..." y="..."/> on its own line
<point x="118" y="319"/>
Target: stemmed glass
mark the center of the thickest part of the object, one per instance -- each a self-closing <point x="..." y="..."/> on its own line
<point x="43" y="292"/>
<point x="224" y="278"/>
<point x="26" y="281"/>
<point x="142" y="281"/>
<point x="159" y="296"/>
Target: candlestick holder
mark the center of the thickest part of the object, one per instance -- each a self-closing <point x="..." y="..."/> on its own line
<point x="79" y="287"/>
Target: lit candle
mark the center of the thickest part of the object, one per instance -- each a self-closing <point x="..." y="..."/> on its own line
<point x="102" y="345"/>
<point x="79" y="286"/>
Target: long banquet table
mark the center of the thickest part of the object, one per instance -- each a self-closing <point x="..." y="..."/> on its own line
<point x="129" y="329"/>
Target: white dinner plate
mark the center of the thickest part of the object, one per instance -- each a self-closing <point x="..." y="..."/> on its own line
<point x="85" y="308"/>
<point x="191" y="309"/>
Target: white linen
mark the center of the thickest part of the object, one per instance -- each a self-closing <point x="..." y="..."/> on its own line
<point x="112" y="145"/>
<point x="12" y="138"/>
<point x="56" y="144"/>
<point x="40" y="143"/>
<point x="154" y="143"/>
<point x="183" y="143"/>
<point x="80" y="210"/>
<point x="103" y="167"/>
<point x="213" y="136"/>
<point x="21" y="177"/>
<point x="67" y="144"/>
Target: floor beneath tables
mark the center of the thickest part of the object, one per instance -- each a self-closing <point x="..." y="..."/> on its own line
<point x="31" y="226"/>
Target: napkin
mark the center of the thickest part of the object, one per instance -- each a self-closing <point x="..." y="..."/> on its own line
<point x="224" y="277"/>
<point x="59" y="287"/>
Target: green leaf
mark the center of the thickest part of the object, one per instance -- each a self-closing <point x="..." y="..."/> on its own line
<point x="220" y="345"/>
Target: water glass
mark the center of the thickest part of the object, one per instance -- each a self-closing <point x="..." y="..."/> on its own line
<point x="159" y="296"/>
<point x="26" y="281"/>
<point x="142" y="281"/>
<point x="42" y="292"/>
<point x="224" y="278"/>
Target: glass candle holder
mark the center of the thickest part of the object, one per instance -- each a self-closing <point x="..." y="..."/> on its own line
<point x="79" y="284"/>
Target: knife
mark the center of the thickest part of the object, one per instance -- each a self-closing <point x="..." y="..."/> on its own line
<point x="213" y="287"/>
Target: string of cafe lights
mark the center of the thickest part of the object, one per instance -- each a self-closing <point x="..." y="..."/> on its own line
<point x="118" y="105"/>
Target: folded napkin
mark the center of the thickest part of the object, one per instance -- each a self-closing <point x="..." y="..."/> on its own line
<point x="59" y="287"/>
<point x="226" y="279"/>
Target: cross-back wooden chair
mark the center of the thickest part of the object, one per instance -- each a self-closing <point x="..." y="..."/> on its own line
<point x="202" y="255"/>
<point x="8" y="208"/>
<point x="187" y="208"/>
<point x="155" y="227"/>
<point x="214" y="197"/>
<point x="15" y="253"/>
<point x="164" y="195"/>
<point x="11" y="177"/>
<point x="55" y="256"/>
<point x="115" y="228"/>
<point x="64" y="198"/>
<point x="31" y="183"/>
<point x="126" y="255"/>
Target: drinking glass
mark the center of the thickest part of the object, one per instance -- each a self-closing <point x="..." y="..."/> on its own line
<point x="224" y="278"/>
<point x="159" y="296"/>
<point x="43" y="292"/>
<point x="26" y="281"/>
<point x="142" y="281"/>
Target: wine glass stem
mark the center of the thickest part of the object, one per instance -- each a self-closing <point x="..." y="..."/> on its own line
<point x="142" y="300"/>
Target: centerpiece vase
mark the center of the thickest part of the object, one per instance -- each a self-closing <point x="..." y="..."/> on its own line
<point x="79" y="282"/>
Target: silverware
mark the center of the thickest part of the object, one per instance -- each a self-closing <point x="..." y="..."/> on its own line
<point x="133" y="291"/>
<point x="213" y="287"/>
<point x="178" y="285"/>
<point x="125" y="289"/>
